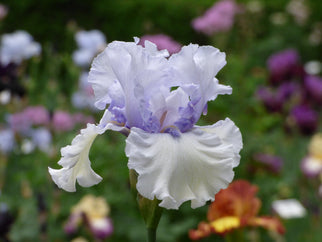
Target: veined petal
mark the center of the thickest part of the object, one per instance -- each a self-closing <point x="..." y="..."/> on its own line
<point x="193" y="166"/>
<point x="75" y="162"/>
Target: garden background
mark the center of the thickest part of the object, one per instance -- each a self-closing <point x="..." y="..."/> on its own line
<point x="34" y="209"/>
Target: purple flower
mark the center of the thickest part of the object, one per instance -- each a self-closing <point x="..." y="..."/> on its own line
<point x="313" y="86"/>
<point x="89" y="43"/>
<point x="283" y="65"/>
<point x="92" y="212"/>
<point x="38" y="115"/>
<point x="101" y="227"/>
<point x="33" y="115"/>
<point x="7" y="140"/>
<point x="18" y="46"/>
<point x="42" y="139"/>
<point x="82" y="119"/>
<point x="275" y="99"/>
<point x="219" y="18"/>
<point x="19" y="123"/>
<point x="84" y="97"/>
<point x="274" y="163"/>
<point x="163" y="42"/>
<point x="305" y="118"/>
<point x="62" y="121"/>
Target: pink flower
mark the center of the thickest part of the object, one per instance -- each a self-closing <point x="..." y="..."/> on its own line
<point x="162" y="42"/>
<point x="219" y="18"/>
<point x="37" y="115"/>
<point x="80" y="118"/>
<point x="62" y="121"/>
<point x="19" y="123"/>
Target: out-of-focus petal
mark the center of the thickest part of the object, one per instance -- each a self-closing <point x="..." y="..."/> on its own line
<point x="289" y="208"/>
<point x="174" y="169"/>
<point x="237" y="200"/>
<point x="269" y="223"/>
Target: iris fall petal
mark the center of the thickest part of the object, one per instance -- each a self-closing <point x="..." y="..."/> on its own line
<point x="193" y="166"/>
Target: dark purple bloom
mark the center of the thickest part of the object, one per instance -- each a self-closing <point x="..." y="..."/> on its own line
<point x="9" y="80"/>
<point x="274" y="163"/>
<point x="305" y="118"/>
<point x="313" y="86"/>
<point x="275" y="99"/>
<point x="283" y="66"/>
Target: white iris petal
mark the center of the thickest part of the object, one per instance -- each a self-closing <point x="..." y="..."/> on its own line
<point x="75" y="162"/>
<point x="194" y="166"/>
<point x="229" y="133"/>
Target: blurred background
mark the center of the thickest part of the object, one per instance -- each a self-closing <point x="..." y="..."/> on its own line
<point x="274" y="54"/>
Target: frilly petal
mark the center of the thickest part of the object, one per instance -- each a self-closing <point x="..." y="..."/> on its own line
<point x="75" y="162"/>
<point x="229" y="133"/>
<point x="194" y="166"/>
<point x="194" y="69"/>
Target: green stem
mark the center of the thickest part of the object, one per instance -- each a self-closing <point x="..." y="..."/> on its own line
<point x="152" y="235"/>
<point x="150" y="210"/>
<point x="236" y="235"/>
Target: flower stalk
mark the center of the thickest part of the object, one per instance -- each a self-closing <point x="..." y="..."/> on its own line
<point x="149" y="209"/>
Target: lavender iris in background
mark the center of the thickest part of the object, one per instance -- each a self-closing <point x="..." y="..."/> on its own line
<point x="219" y="18"/>
<point x="18" y="46"/>
<point x="90" y="43"/>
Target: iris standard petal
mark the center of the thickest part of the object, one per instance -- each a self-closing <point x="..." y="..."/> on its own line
<point x="125" y="76"/>
<point x="194" y="69"/>
<point x="192" y="166"/>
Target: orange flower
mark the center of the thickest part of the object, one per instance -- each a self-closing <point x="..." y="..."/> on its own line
<point x="235" y="207"/>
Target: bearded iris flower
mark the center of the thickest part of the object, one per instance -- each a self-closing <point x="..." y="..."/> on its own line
<point x="156" y="100"/>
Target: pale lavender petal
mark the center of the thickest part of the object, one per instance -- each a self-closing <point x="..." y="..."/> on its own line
<point x="194" y="69"/>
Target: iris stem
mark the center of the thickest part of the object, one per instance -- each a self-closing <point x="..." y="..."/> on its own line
<point x="152" y="234"/>
<point x="150" y="210"/>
